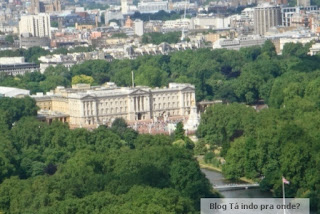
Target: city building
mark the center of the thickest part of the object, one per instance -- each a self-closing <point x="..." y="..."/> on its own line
<point x="124" y="7"/>
<point x="111" y="14"/>
<point x="315" y="49"/>
<point x="304" y="3"/>
<point x="152" y="6"/>
<point x="68" y="60"/>
<point x="16" y="66"/>
<point x="300" y="20"/>
<point x="237" y="43"/>
<point x="54" y="6"/>
<point x="288" y="12"/>
<point x="13" y="92"/>
<point x="176" y="25"/>
<point x="282" y="2"/>
<point x="89" y="106"/>
<point x="128" y="23"/>
<point x="247" y="14"/>
<point x="34" y="7"/>
<point x="265" y="17"/>
<point x="28" y="42"/>
<point x="213" y="37"/>
<point x="67" y="39"/>
<point x="35" y="25"/>
<point x="210" y="22"/>
<point x="6" y="28"/>
<point x="181" y="5"/>
<point x="138" y="27"/>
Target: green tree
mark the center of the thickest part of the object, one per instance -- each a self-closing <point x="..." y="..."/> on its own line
<point x="157" y="38"/>
<point x="200" y="147"/>
<point x="9" y="38"/>
<point x="148" y="75"/>
<point x="179" y="132"/>
<point x="295" y="49"/>
<point x="54" y="24"/>
<point x="82" y="79"/>
<point x="186" y="177"/>
<point x="269" y="49"/>
<point x="16" y="108"/>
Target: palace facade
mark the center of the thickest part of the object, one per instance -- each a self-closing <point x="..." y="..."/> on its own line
<point x="89" y="106"/>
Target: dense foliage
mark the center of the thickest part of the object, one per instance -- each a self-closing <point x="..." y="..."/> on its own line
<point x="280" y="141"/>
<point x="158" y="38"/>
<point x="119" y="35"/>
<point x="52" y="169"/>
<point x="246" y="76"/>
<point x="13" y="109"/>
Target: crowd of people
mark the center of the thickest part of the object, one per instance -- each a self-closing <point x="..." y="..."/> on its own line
<point x="158" y="126"/>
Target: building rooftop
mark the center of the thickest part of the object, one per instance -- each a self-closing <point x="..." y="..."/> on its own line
<point x="109" y="89"/>
<point x="13" y="92"/>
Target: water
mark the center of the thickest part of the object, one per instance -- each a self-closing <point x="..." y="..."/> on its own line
<point x="217" y="178"/>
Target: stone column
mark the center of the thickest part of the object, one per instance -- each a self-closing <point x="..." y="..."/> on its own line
<point x="130" y="108"/>
<point x="141" y="100"/>
<point x="82" y="112"/>
<point x="181" y="101"/>
<point x="95" y="111"/>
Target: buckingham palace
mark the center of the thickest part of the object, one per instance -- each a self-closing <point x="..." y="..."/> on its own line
<point x="89" y="106"/>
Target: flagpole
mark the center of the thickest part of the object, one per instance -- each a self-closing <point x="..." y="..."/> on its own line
<point x="284" y="196"/>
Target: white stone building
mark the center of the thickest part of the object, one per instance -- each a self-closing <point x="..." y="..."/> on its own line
<point x="16" y="66"/>
<point x="91" y="106"/>
<point x="177" y="24"/>
<point x="210" y="22"/>
<point x="113" y="13"/>
<point x="36" y="25"/>
<point x="124" y="7"/>
<point x="13" y="92"/>
<point x="315" y="49"/>
<point x="138" y="27"/>
<point x="152" y="6"/>
<point x="265" y="17"/>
